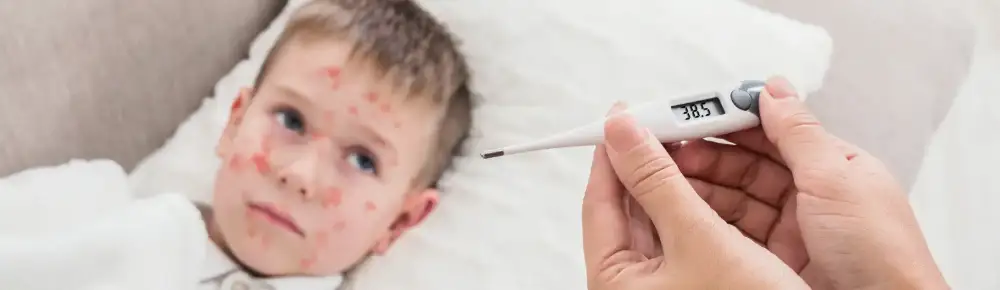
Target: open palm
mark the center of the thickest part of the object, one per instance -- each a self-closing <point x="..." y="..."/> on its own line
<point x="749" y="186"/>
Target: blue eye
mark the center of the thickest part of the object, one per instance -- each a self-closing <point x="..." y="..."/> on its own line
<point x="363" y="162"/>
<point x="291" y="119"/>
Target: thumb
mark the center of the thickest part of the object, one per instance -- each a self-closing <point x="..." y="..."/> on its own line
<point x="817" y="164"/>
<point x="682" y="219"/>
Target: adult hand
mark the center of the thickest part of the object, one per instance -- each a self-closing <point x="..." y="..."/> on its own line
<point x="697" y="249"/>
<point x="828" y="209"/>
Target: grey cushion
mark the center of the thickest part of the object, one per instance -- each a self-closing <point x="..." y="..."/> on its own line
<point x="110" y="78"/>
<point x="896" y="67"/>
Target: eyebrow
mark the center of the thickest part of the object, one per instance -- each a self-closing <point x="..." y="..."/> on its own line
<point x="366" y="130"/>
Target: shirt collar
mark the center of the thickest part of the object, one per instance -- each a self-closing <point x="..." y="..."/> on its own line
<point x="218" y="265"/>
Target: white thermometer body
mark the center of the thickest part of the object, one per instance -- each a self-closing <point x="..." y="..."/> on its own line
<point x="694" y="116"/>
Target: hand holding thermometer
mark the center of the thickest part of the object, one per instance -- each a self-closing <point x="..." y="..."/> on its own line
<point x="706" y="114"/>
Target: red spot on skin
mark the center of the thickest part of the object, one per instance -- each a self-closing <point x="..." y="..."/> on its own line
<point x="353" y="110"/>
<point x="260" y="161"/>
<point x="370" y="206"/>
<point x="328" y="116"/>
<point x="396" y="125"/>
<point x="238" y="102"/>
<point x="322" y="238"/>
<point x="385" y="108"/>
<point x="235" y="163"/>
<point x="332" y="198"/>
<point x="307" y="262"/>
<point x="317" y="136"/>
<point x="339" y="225"/>
<point x="372" y="97"/>
<point x="334" y="74"/>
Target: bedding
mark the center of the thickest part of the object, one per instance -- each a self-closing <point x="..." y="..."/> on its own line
<point x="956" y="192"/>
<point x="513" y="222"/>
<point x="75" y="226"/>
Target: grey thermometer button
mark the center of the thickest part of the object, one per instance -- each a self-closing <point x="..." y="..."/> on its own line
<point x="751" y="85"/>
<point x="741" y="99"/>
<point x="747" y="96"/>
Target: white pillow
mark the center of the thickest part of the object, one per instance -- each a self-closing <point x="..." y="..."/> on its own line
<point x="541" y="66"/>
<point x="546" y="65"/>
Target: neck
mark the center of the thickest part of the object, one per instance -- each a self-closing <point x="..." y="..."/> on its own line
<point x="217" y="238"/>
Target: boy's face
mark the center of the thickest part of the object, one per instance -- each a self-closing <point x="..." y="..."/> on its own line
<point x="317" y="170"/>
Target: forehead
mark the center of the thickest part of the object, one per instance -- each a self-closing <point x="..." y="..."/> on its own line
<point x="324" y="73"/>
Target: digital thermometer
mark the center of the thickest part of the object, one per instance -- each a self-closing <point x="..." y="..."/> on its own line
<point x="693" y="116"/>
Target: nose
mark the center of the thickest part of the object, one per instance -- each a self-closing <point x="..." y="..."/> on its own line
<point x="300" y="176"/>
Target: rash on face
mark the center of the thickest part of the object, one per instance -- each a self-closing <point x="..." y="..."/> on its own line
<point x="307" y="263"/>
<point x="333" y="74"/>
<point x="238" y="102"/>
<point x="235" y="163"/>
<point x="260" y="161"/>
<point x="332" y="198"/>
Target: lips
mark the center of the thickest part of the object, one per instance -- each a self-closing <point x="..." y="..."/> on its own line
<point x="276" y="216"/>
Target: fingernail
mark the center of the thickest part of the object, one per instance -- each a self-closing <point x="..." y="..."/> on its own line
<point x="621" y="133"/>
<point x="617" y="107"/>
<point x="675" y="146"/>
<point x="780" y="88"/>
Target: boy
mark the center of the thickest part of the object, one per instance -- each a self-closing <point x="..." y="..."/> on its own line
<point x="334" y="153"/>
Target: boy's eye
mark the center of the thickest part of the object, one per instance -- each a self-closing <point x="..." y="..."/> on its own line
<point x="291" y="119"/>
<point x="362" y="161"/>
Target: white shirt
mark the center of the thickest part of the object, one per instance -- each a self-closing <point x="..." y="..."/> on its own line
<point x="219" y="272"/>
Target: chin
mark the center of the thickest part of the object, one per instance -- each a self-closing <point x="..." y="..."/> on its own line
<point x="261" y="263"/>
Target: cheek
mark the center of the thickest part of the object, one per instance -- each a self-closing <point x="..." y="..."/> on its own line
<point x="346" y="213"/>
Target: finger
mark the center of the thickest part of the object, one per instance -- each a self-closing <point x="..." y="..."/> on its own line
<point x="753" y="217"/>
<point x="785" y="240"/>
<point x="605" y="225"/>
<point x="756" y="141"/>
<point x="644" y="239"/>
<point x="732" y="166"/>
<point x="682" y="219"/>
<point x="808" y="150"/>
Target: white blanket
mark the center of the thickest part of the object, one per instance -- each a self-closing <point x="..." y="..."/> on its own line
<point x="76" y="226"/>
<point x="147" y="244"/>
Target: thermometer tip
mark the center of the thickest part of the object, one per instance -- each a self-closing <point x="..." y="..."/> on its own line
<point x="491" y="154"/>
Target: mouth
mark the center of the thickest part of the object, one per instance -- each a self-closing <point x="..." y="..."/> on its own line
<point x="276" y="216"/>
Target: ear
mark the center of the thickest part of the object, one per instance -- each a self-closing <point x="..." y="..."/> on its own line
<point x="416" y="208"/>
<point x="239" y="108"/>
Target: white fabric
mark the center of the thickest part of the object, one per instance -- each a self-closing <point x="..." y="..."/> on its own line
<point x="541" y="66"/>
<point x="956" y="194"/>
<point x="76" y="226"/>
<point x="218" y="271"/>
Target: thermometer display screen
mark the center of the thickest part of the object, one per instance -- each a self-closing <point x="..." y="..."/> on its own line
<point x="698" y="109"/>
